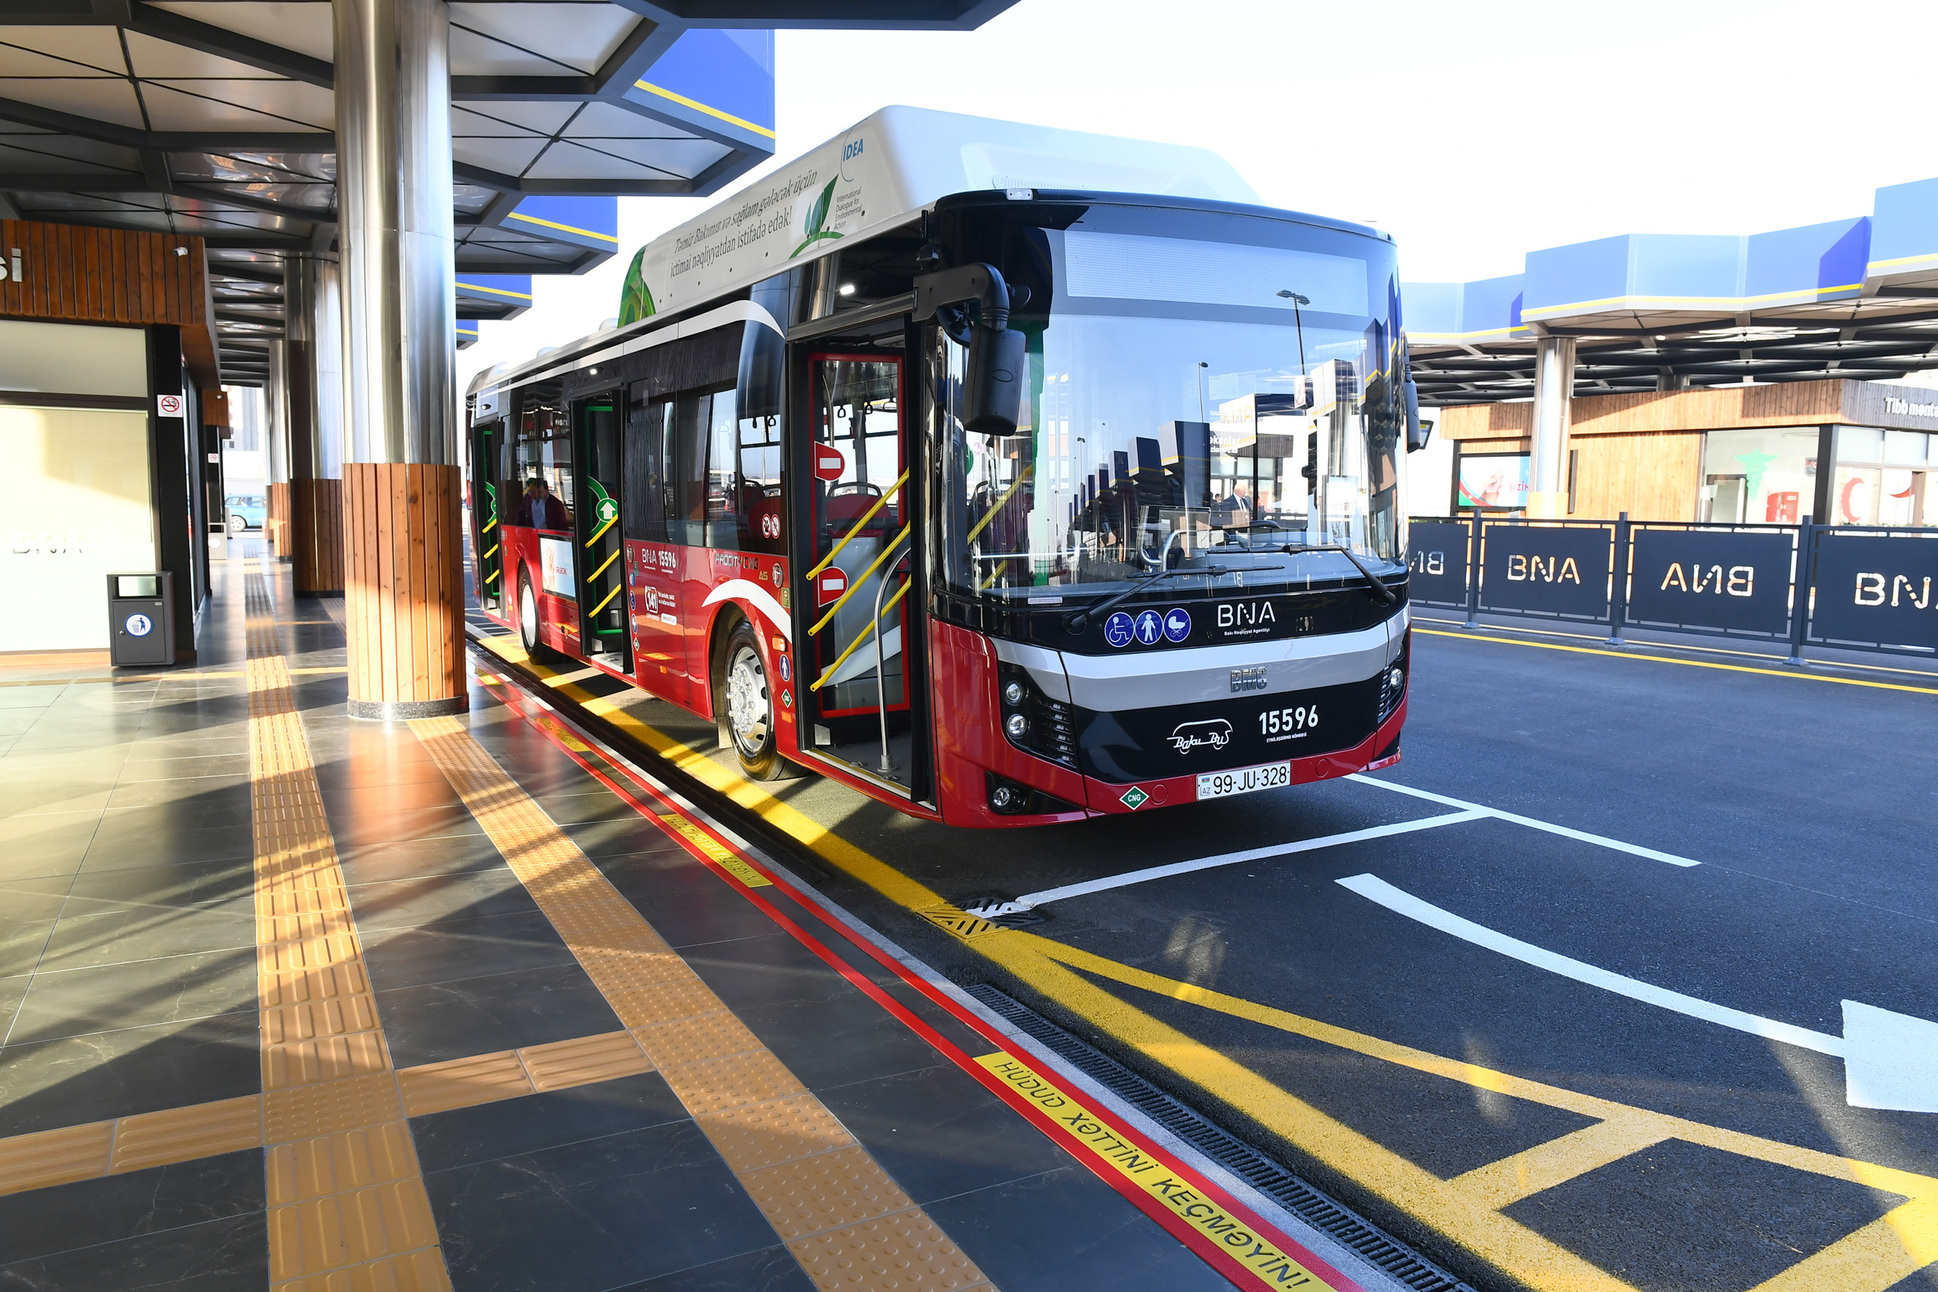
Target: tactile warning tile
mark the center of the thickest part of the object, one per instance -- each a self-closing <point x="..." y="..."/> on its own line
<point x="712" y="1035"/>
<point x="715" y="1085"/>
<point x="755" y="1111"/>
<point x="902" y="1251"/>
<point x="47" y="1158"/>
<point x="330" y="1164"/>
<point x="560" y="1065"/>
<point x="813" y="1195"/>
<point x="182" y="1134"/>
<point x="460" y="1083"/>
<point x="641" y="1007"/>
<point x="758" y="1135"/>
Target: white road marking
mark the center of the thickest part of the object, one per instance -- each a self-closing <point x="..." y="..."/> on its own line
<point x="1890" y="1059"/>
<point x="1030" y="901"/>
<point x="1600" y="840"/>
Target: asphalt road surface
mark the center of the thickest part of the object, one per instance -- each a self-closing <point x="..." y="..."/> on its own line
<point x="1636" y="995"/>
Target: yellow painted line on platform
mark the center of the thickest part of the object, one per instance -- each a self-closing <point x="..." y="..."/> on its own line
<point x="1683" y="663"/>
<point x="1870" y="1260"/>
<point x="846" y="1222"/>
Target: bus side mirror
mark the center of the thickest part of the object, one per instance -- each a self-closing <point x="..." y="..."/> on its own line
<point x="992" y="388"/>
<point x="1417" y="431"/>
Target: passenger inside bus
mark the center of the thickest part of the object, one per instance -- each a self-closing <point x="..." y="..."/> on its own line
<point x="539" y="509"/>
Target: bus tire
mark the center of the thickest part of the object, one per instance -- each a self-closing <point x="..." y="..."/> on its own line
<point x="744" y="706"/>
<point x="528" y="635"/>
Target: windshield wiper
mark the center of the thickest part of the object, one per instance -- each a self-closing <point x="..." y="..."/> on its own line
<point x="1076" y="620"/>
<point x="1374" y="585"/>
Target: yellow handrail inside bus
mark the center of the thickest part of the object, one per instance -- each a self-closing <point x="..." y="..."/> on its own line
<point x="489" y="525"/>
<point x="598" y="533"/>
<point x="856" y="585"/>
<point x="1001" y="502"/>
<point x="608" y="601"/>
<point x="602" y="569"/>
<point x="867" y="633"/>
<point x="865" y="518"/>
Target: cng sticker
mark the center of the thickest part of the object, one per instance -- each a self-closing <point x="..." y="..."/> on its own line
<point x="830" y="584"/>
<point x="829" y="463"/>
<point x="1134" y="798"/>
<point x="138" y="625"/>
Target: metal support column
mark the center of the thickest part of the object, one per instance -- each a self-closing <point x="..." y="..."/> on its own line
<point x="275" y="430"/>
<point x="1823" y="498"/>
<point x="404" y="599"/>
<point x="314" y="377"/>
<point x="1554" y="382"/>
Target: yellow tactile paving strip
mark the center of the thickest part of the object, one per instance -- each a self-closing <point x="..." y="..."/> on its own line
<point x="46" y="1158"/>
<point x="848" y="1224"/>
<point x="347" y="1206"/>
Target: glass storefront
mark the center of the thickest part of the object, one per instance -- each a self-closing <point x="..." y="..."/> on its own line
<point x="1769" y="475"/>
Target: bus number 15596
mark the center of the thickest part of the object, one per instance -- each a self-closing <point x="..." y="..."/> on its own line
<point x="1278" y="722"/>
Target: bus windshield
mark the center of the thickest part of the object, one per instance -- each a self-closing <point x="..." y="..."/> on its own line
<point x="1219" y="398"/>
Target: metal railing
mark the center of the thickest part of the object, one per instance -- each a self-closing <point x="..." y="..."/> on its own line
<point x="1851" y="587"/>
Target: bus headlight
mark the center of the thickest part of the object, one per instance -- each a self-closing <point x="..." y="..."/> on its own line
<point x="1017" y="725"/>
<point x="1013" y="694"/>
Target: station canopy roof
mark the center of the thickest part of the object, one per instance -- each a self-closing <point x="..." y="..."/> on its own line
<point x="215" y="118"/>
<point x="1854" y="299"/>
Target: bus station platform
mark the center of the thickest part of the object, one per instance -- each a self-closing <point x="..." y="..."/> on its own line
<point x="298" y="1001"/>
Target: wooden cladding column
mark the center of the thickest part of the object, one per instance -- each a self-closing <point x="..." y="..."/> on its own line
<point x="316" y="530"/>
<point x="275" y="525"/>
<point x="403" y="589"/>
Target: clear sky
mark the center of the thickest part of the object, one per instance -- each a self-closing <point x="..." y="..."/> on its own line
<point x="1474" y="132"/>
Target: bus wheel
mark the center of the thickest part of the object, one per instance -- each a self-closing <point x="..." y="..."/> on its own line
<point x="535" y="648"/>
<point x="748" y="708"/>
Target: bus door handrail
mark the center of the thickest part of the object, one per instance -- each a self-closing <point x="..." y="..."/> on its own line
<point x="862" y="637"/>
<point x="855" y="587"/>
<point x="887" y="765"/>
<point x="858" y="525"/>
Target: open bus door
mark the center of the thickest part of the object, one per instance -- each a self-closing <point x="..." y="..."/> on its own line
<point x="598" y="535"/>
<point x="859" y="628"/>
<point x="487" y="432"/>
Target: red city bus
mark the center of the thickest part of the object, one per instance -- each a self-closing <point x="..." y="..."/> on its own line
<point x="1003" y="505"/>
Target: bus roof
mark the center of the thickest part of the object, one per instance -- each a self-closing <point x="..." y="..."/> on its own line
<point x="874" y="176"/>
<point x="884" y="170"/>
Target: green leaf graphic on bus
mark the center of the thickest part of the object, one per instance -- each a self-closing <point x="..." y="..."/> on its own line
<point x="635" y="298"/>
<point x="816" y="217"/>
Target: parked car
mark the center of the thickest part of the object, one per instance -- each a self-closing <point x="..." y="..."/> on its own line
<point x="246" y="512"/>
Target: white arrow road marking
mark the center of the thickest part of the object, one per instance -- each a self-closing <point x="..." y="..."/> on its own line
<point x="1890" y="1059"/>
<point x="1600" y="840"/>
<point x="1030" y="901"/>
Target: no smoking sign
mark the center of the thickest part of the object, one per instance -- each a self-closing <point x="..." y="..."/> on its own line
<point x="168" y="405"/>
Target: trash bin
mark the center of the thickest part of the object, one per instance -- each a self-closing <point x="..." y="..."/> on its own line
<point x="141" y="619"/>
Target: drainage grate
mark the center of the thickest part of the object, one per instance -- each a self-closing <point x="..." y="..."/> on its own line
<point x="1263" y="1174"/>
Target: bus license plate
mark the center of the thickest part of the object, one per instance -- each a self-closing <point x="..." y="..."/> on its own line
<point x="1243" y="780"/>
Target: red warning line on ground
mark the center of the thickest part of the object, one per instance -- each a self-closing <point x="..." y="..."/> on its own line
<point x="1272" y="1263"/>
<point x="1226" y="1235"/>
